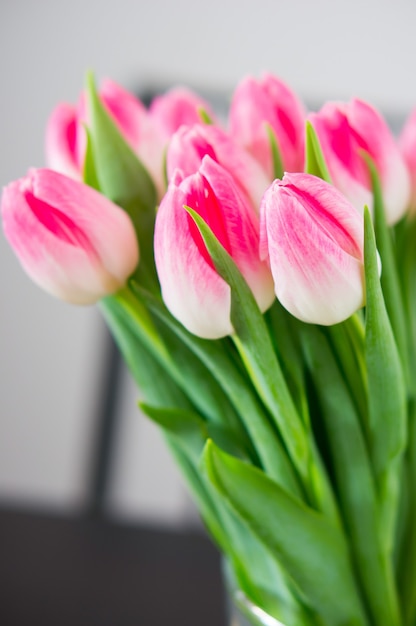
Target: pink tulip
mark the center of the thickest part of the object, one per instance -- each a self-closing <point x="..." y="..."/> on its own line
<point x="190" y="144"/>
<point x="407" y="146"/>
<point x="178" y="107"/>
<point x="345" y="131"/>
<point x="66" y="137"/>
<point x="268" y="101"/>
<point x="71" y="240"/>
<point x="313" y="238"/>
<point x="191" y="287"/>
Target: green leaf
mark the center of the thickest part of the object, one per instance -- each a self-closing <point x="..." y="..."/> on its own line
<point x="148" y="374"/>
<point x="386" y="392"/>
<point x="347" y="339"/>
<point x="181" y="365"/>
<point x="255" y="347"/>
<point x="312" y="550"/>
<point x="90" y="174"/>
<point x="218" y="361"/>
<point x="122" y="178"/>
<point x="286" y="346"/>
<point x="390" y="282"/>
<point x="353" y="475"/>
<point x="185" y="433"/>
<point x="407" y="562"/>
<point x="191" y="431"/>
<point x="278" y="170"/>
<point x="204" y="116"/>
<point x="315" y="160"/>
<point x="204" y="390"/>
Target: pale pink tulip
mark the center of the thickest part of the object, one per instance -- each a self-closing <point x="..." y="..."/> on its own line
<point x="177" y="107"/>
<point x="257" y="104"/>
<point x="70" y="239"/>
<point x="191" y="143"/>
<point x="192" y="289"/>
<point x="66" y="137"/>
<point x="407" y="146"/>
<point x="313" y="237"/>
<point x="345" y="131"/>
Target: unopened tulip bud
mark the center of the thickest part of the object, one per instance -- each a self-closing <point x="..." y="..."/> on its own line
<point x="71" y="240"/>
<point x="66" y="137"/>
<point x="313" y="237"/>
<point x="176" y="108"/>
<point x="192" y="289"/>
<point x="268" y="102"/>
<point x="190" y="144"/>
<point x="345" y="132"/>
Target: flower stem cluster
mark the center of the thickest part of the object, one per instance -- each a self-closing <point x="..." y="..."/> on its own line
<point x="260" y="281"/>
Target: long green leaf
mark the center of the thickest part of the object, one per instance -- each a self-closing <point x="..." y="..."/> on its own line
<point x="218" y="361"/>
<point x="353" y="473"/>
<point x="312" y="550"/>
<point x="256" y="349"/>
<point x="181" y="365"/>
<point x="257" y="573"/>
<point x="122" y="178"/>
<point x="315" y="160"/>
<point x="347" y="339"/>
<point x="387" y="407"/>
<point x="278" y="169"/>
<point x="407" y="560"/>
<point x="390" y="282"/>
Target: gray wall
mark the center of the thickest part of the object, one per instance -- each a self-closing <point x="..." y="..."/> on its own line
<point x="50" y="353"/>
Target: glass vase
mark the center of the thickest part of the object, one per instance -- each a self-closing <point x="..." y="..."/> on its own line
<point x="242" y="612"/>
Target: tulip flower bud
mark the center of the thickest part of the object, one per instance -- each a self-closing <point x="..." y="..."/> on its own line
<point x="192" y="289"/>
<point x="178" y="107"/>
<point x="407" y="146"/>
<point x="66" y="138"/>
<point x="190" y="144"/>
<point x="268" y="101"/>
<point x="313" y="238"/>
<point x="345" y="131"/>
<point x="70" y="239"/>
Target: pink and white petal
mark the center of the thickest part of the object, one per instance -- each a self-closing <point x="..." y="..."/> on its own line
<point x="107" y="227"/>
<point x="126" y="109"/>
<point x="315" y="279"/>
<point x="191" y="289"/>
<point x="62" y="136"/>
<point x="245" y="169"/>
<point x="177" y="107"/>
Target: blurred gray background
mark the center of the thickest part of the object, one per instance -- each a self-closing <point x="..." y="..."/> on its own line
<point x="51" y="353"/>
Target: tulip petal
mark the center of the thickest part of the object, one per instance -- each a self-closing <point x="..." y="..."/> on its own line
<point x="70" y="239"/>
<point x="63" y="138"/>
<point x="257" y="104"/>
<point x="189" y="145"/>
<point x="177" y="107"/>
<point x="191" y="288"/>
<point x="345" y="131"/>
<point x="315" y="242"/>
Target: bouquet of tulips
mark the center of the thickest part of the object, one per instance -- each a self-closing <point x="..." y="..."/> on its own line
<point x="260" y="281"/>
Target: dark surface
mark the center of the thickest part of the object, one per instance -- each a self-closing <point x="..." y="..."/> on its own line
<point x="72" y="572"/>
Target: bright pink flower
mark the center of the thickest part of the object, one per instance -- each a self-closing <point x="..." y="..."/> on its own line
<point x="268" y="101"/>
<point x="407" y="146"/>
<point x="66" y="137"/>
<point x="191" y="287"/>
<point x="313" y="237"/>
<point x="178" y="107"/>
<point x="71" y="240"/>
<point x="345" y="131"/>
<point x="191" y="143"/>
